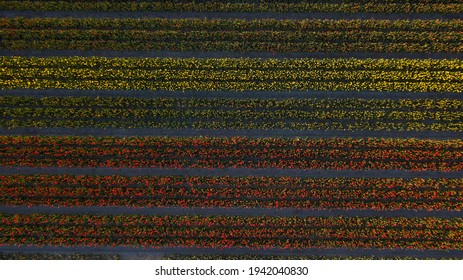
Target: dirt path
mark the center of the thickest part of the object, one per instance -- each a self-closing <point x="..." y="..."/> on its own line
<point x="229" y="94"/>
<point x="133" y="253"/>
<point x="285" y="212"/>
<point x="316" y="173"/>
<point x="121" y="132"/>
<point x="216" y="54"/>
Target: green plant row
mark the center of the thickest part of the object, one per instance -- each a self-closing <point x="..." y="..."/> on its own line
<point x="231" y="74"/>
<point x="447" y="7"/>
<point x="345" y="114"/>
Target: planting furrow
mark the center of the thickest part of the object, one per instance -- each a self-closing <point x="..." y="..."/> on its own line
<point x="130" y="132"/>
<point x="231" y="211"/>
<point x="237" y="172"/>
<point x="160" y="253"/>
<point x="133" y="253"/>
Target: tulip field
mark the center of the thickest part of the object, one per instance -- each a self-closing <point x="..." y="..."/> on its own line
<point x="231" y="129"/>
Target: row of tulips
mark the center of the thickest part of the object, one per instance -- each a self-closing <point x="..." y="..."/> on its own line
<point x="261" y="192"/>
<point x="249" y="182"/>
<point x="44" y="256"/>
<point x="240" y="123"/>
<point x="232" y="74"/>
<point x="232" y="35"/>
<point x="232" y="231"/>
<point x="233" y="152"/>
<point x="226" y="256"/>
<point x="199" y="114"/>
<point x="326" y="64"/>
<point x="236" y="142"/>
<point x="256" y="104"/>
<point x="344" y="114"/>
<point x="71" y="43"/>
<point x="230" y="25"/>
<point x="172" y="75"/>
<point x="210" y="85"/>
<point x="345" y="6"/>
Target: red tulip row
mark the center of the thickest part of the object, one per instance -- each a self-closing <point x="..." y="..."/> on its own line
<point x="262" y="192"/>
<point x="241" y="232"/>
<point x="227" y="181"/>
<point x="235" y="152"/>
<point x="188" y="142"/>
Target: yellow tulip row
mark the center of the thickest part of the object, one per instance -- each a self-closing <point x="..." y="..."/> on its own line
<point x="232" y="74"/>
<point x="233" y="86"/>
<point x="233" y="63"/>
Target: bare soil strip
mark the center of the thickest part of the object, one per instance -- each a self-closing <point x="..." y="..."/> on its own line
<point x="236" y="172"/>
<point x="227" y="15"/>
<point x="284" y="212"/>
<point x="38" y="93"/>
<point x="215" y="54"/>
<point x="133" y="253"/>
<point x="130" y="132"/>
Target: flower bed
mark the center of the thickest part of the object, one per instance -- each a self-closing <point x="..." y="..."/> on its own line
<point x="232" y="231"/>
<point x="232" y="74"/>
<point x="263" y="35"/>
<point x="248" y="192"/>
<point x="235" y="152"/>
